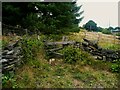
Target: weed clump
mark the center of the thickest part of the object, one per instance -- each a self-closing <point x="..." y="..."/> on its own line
<point x="115" y="67"/>
<point x="72" y="55"/>
<point x="30" y="47"/>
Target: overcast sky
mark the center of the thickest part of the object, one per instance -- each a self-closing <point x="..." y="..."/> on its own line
<point x="102" y="12"/>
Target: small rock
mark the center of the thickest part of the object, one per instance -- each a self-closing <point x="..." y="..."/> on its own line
<point x="58" y="76"/>
<point x="104" y="58"/>
<point x="99" y="57"/>
<point x="10" y="52"/>
<point x="51" y="60"/>
<point x="4" y="52"/>
<point x="3" y="60"/>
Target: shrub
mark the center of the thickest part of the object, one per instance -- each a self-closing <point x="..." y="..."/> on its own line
<point x="71" y="55"/>
<point x="8" y="80"/>
<point x="115" y="67"/>
<point x="105" y="31"/>
<point x="118" y="34"/>
<point x="30" y="47"/>
<point x="75" y="29"/>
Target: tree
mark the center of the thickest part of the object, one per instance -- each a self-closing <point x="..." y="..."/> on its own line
<point x="110" y="28"/>
<point x="106" y="31"/>
<point x="77" y="13"/>
<point x="48" y="17"/>
<point x="59" y="15"/>
<point x="99" y="29"/>
<point x="117" y="28"/>
<point x="91" y="26"/>
<point x="15" y="12"/>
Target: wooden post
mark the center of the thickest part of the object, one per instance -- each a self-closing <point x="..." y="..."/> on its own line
<point x="63" y="39"/>
<point x="85" y="34"/>
<point x="114" y="38"/>
<point x="38" y="37"/>
<point x="98" y="38"/>
<point x="26" y="31"/>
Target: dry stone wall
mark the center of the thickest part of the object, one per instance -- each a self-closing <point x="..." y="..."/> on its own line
<point x="100" y="53"/>
<point x="11" y="56"/>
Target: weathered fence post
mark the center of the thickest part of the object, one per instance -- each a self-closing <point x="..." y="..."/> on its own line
<point x="98" y="39"/>
<point x="26" y="31"/>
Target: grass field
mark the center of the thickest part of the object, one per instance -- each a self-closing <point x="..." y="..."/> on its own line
<point x="104" y="40"/>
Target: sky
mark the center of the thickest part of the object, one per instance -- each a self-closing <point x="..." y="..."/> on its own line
<point x="104" y="13"/>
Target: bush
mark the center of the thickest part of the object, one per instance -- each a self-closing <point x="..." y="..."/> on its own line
<point x="118" y="34"/>
<point x="105" y="31"/>
<point x="8" y="80"/>
<point x="76" y="29"/>
<point x="30" y="47"/>
<point x="71" y="55"/>
<point x="116" y="66"/>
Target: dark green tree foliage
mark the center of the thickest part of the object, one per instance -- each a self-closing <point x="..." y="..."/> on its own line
<point x="91" y="26"/>
<point x="99" y="29"/>
<point x="13" y="12"/>
<point x="46" y="17"/>
<point x="110" y="28"/>
<point x="55" y="16"/>
<point x="106" y="31"/>
<point x="77" y="13"/>
<point x="117" y="28"/>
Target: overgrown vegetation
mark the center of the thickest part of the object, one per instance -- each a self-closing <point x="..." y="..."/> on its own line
<point x="73" y="55"/>
<point x="77" y="69"/>
<point x="118" y="34"/>
<point x="30" y="47"/>
<point x="5" y="41"/>
<point x="115" y="67"/>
